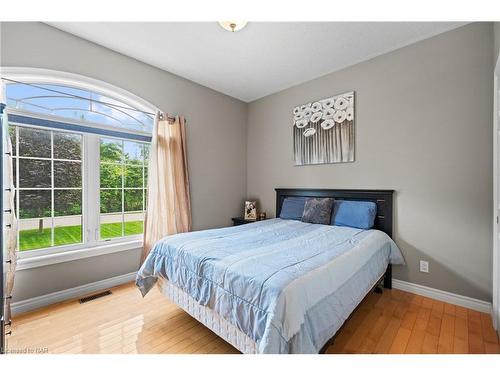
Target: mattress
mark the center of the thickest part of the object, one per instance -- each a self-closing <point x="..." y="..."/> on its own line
<point x="208" y="317"/>
<point x="286" y="285"/>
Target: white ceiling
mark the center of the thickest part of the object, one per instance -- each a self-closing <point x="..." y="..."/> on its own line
<point x="263" y="58"/>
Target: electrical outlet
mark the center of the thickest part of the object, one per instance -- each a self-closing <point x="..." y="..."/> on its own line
<point x="424" y="266"/>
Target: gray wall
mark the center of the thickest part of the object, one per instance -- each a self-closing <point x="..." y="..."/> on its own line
<point x="496" y="33"/>
<point x="423" y="127"/>
<point x="217" y="164"/>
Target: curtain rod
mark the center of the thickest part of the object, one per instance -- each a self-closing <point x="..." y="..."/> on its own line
<point x="169" y="118"/>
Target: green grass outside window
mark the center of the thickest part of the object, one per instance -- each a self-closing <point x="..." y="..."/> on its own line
<point x="32" y="239"/>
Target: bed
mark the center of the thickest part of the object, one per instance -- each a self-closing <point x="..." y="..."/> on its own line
<point x="276" y="286"/>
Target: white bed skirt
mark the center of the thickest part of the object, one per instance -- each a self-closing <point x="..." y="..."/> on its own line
<point x="208" y="317"/>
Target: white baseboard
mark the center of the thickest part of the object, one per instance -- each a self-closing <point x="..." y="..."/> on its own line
<point x="441" y="295"/>
<point x="496" y="321"/>
<point x="63" y="295"/>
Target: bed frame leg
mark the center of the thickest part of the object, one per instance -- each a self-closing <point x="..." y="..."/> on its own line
<point x="388" y="277"/>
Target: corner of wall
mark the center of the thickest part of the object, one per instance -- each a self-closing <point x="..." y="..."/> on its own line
<point x="496" y="41"/>
<point x="247" y="121"/>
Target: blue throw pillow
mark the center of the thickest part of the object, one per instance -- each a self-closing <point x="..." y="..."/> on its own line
<point x="318" y="210"/>
<point x="356" y="214"/>
<point x="292" y="208"/>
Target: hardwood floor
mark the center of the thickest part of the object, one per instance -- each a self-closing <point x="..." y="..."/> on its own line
<point x="124" y="322"/>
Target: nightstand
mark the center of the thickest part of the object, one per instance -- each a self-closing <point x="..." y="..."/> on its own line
<point x="241" y="221"/>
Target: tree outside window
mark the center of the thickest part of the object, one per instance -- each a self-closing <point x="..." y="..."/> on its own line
<point x="123" y="187"/>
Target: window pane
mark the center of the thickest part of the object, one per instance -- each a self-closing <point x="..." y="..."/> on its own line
<point x="92" y="116"/>
<point x="146" y="147"/>
<point x="133" y="152"/>
<point x="34" y="173"/>
<point x="109" y="114"/>
<point x="133" y="176"/>
<point x="67" y="174"/>
<point x="111" y="201"/>
<point x="68" y="230"/>
<point x="33" y="108"/>
<point x="14" y="171"/>
<point x="34" y="203"/>
<point x="111" y="175"/>
<point x="111" y="150"/>
<point x="22" y="91"/>
<point x="67" y="146"/>
<point x="133" y="200"/>
<point x="145" y="177"/>
<point x="34" y="142"/>
<point x="12" y="134"/>
<point x="134" y="224"/>
<point x="53" y="103"/>
<point x="34" y="234"/>
<point x="92" y="106"/>
<point x="67" y="202"/>
<point x="111" y="226"/>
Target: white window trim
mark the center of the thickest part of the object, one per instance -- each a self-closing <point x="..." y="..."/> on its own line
<point x="92" y="246"/>
<point x="82" y="253"/>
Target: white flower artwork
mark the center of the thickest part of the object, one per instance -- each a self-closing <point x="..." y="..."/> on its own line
<point x="309" y="132"/>
<point x="339" y="117"/>
<point x="328" y="124"/>
<point x="328" y="113"/>
<point x="307" y="113"/>
<point x="316" y="107"/>
<point x="349" y="114"/>
<point x="298" y="116"/>
<point x="323" y="130"/>
<point x="327" y="103"/>
<point x="302" y="123"/>
<point x="341" y="103"/>
<point x="316" y="116"/>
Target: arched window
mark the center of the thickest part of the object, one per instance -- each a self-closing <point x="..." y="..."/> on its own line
<point x="81" y="151"/>
<point x="77" y="104"/>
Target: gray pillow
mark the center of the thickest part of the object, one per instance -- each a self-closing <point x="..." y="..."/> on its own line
<point x="318" y="210"/>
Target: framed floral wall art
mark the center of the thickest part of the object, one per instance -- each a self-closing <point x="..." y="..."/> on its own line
<point x="323" y="131"/>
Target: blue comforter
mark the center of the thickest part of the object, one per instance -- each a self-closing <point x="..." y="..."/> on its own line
<point x="288" y="285"/>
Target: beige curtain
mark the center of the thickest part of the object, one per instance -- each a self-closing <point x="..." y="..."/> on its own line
<point x="168" y="204"/>
<point x="10" y="221"/>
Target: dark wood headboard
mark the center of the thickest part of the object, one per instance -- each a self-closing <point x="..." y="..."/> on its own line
<point x="383" y="199"/>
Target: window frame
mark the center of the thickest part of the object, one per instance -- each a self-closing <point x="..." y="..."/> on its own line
<point x="90" y="199"/>
<point x="17" y="157"/>
<point x="92" y="244"/>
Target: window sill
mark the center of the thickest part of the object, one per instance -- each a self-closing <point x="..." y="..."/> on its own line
<point x="46" y="260"/>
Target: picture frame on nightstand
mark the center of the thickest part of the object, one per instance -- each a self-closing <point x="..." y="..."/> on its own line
<point x="250" y="210"/>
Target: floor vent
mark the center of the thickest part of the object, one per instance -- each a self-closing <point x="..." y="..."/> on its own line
<point x="95" y="296"/>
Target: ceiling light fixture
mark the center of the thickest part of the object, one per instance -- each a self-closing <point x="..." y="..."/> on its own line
<point x="233" y="25"/>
